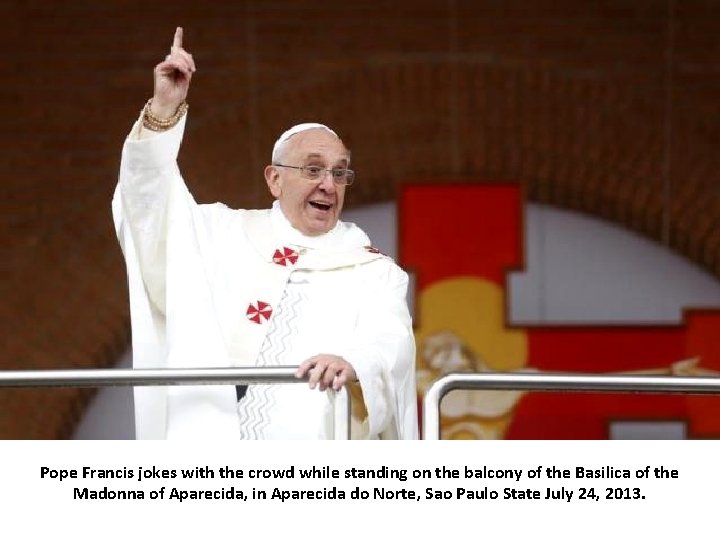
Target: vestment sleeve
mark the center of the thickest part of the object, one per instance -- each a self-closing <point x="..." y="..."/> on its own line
<point x="168" y="243"/>
<point x="148" y="174"/>
<point x="149" y="183"/>
<point x="383" y="354"/>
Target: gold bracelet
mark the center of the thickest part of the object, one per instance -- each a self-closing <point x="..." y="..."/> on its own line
<point x="153" y="123"/>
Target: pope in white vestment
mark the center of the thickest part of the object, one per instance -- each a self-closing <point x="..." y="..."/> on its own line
<point x="291" y="285"/>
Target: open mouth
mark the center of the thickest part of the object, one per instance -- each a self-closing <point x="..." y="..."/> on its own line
<point x="321" y="205"/>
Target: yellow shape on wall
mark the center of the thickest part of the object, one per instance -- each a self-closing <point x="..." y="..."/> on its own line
<point x="463" y="329"/>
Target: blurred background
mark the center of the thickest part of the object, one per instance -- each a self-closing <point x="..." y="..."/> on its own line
<point x="605" y="115"/>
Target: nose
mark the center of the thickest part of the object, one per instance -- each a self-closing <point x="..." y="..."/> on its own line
<point x="328" y="184"/>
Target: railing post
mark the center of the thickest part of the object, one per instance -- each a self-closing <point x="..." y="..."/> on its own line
<point x="341" y="412"/>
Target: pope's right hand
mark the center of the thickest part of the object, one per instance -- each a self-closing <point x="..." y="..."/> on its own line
<point x="172" y="78"/>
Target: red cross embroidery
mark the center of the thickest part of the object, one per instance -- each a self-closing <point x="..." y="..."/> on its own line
<point x="372" y="249"/>
<point x="259" y="313"/>
<point x="285" y="256"/>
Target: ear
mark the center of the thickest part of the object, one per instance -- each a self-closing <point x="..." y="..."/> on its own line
<point x="272" y="177"/>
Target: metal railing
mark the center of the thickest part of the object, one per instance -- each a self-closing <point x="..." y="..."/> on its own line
<point x="170" y="377"/>
<point x="551" y="382"/>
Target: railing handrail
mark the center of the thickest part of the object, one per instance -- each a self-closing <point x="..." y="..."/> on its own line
<point x="556" y="382"/>
<point x="174" y="376"/>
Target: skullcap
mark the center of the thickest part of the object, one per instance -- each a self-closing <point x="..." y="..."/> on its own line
<point x="295" y="130"/>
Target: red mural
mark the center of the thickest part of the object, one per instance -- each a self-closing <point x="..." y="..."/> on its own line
<point x="461" y="242"/>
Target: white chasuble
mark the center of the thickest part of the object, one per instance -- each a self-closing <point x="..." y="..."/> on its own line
<point x="215" y="287"/>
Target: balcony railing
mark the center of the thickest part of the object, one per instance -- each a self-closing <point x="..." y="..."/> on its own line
<point x="169" y="377"/>
<point x="552" y="382"/>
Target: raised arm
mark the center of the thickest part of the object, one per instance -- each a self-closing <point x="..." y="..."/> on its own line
<point x="149" y="175"/>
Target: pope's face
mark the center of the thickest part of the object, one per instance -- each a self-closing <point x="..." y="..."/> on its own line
<point x="313" y="207"/>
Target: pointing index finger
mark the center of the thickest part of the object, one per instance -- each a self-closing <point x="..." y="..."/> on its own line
<point x="177" y="39"/>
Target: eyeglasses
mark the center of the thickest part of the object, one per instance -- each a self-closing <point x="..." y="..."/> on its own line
<point x="342" y="177"/>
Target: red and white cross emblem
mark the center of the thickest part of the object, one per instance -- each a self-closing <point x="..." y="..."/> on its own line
<point x="259" y="312"/>
<point x="285" y="256"/>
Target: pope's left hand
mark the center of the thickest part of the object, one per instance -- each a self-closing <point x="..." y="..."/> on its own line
<point x="327" y="371"/>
